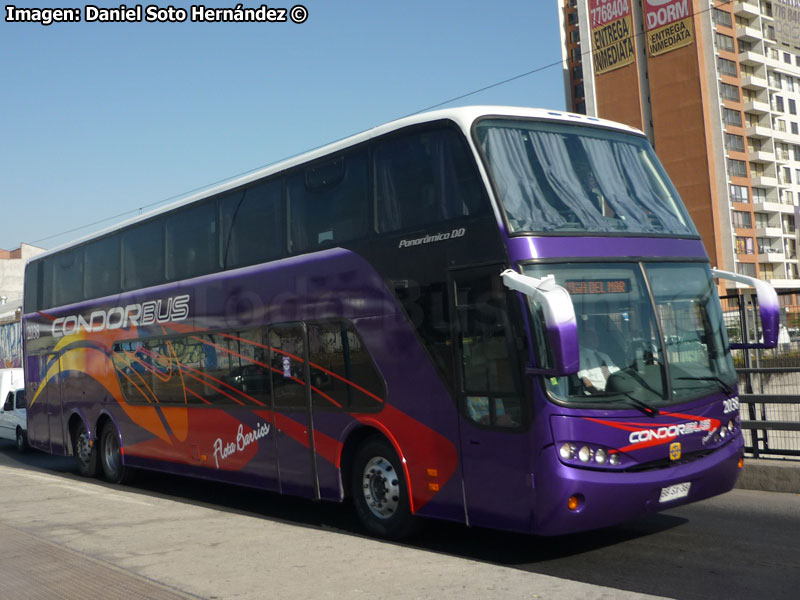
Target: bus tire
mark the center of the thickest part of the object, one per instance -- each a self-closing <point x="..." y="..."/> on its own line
<point x="84" y="451"/>
<point x="111" y="456"/>
<point x="22" y="440"/>
<point x="380" y="491"/>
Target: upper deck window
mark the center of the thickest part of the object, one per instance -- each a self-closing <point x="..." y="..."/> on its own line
<point x="553" y="177"/>
<point x="424" y="178"/>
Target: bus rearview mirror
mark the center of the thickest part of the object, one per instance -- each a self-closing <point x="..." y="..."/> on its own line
<point x="558" y="314"/>
<point x="768" y="308"/>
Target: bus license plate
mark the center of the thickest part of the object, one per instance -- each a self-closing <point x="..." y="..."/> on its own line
<point x="673" y="492"/>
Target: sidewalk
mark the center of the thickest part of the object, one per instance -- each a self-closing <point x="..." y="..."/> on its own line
<point x="770" y="475"/>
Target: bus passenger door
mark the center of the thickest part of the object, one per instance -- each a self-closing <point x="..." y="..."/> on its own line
<point x="493" y="416"/>
<point x="291" y="396"/>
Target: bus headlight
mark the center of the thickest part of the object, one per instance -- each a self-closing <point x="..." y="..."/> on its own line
<point x="589" y="455"/>
<point x="567" y="451"/>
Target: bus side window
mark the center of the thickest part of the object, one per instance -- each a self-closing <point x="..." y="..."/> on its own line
<point x="424" y="178"/>
<point x="102" y="268"/>
<point x="254" y="232"/>
<point x="342" y="373"/>
<point x="192" y="240"/>
<point x="143" y="255"/>
<point x="328" y="203"/>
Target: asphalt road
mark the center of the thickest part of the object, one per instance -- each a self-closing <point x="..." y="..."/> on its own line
<point x="745" y="544"/>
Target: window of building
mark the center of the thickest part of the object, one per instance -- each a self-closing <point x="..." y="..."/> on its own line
<point x="732" y="117"/>
<point x="734" y="142"/>
<point x="739" y="193"/>
<point x="786" y="175"/>
<point x="759" y="194"/>
<point x="741" y="219"/>
<point x="744" y="245"/>
<point x="790" y="249"/>
<point x="746" y="269"/>
<point x="728" y="92"/>
<point x="737" y="168"/>
<point x="764" y="245"/>
<point x="720" y="17"/>
<point x="762" y="220"/>
<point x="792" y="107"/>
<point x="723" y="42"/>
<point x="777" y="103"/>
<point x="766" y="271"/>
<point x="793" y="128"/>
<point x="787" y="58"/>
<point x="726" y="67"/>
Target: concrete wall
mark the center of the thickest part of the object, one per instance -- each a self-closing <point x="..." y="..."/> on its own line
<point x="12" y="270"/>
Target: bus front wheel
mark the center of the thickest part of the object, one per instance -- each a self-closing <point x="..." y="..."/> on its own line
<point x="380" y="492"/>
<point x="111" y="456"/>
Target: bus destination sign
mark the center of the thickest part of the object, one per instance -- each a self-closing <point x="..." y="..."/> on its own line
<point x="598" y="286"/>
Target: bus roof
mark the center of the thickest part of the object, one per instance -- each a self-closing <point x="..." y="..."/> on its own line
<point x="464" y="116"/>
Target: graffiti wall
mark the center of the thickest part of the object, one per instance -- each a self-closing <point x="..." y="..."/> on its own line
<point x="11" y="345"/>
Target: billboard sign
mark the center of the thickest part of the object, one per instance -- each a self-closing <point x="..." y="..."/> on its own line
<point x="787" y="21"/>
<point x="612" y="34"/>
<point x="668" y="24"/>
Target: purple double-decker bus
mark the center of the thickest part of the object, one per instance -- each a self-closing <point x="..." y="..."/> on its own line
<point x="497" y="316"/>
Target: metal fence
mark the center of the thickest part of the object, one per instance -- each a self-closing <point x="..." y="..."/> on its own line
<point x="769" y="380"/>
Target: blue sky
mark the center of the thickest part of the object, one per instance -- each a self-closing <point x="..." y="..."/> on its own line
<point x="100" y="119"/>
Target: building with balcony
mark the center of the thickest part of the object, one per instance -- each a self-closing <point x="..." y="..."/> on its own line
<point x="715" y="85"/>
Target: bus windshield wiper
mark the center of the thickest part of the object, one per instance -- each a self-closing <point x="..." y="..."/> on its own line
<point x="725" y="386"/>
<point x="648" y="409"/>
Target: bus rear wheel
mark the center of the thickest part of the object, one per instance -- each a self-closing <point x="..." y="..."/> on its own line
<point x="111" y="456"/>
<point x="84" y="451"/>
<point x="380" y="491"/>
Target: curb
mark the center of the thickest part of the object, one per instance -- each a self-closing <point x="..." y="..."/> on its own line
<point x="770" y="475"/>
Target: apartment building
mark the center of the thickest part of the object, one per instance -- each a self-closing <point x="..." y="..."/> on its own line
<point x="716" y="87"/>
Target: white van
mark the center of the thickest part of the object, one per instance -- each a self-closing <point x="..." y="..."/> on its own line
<point x="13" y="413"/>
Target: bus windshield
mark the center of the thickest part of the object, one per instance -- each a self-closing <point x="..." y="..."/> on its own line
<point x="643" y="339"/>
<point x="552" y="177"/>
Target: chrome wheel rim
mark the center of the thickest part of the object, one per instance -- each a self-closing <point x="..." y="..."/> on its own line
<point x="381" y="487"/>
<point x="83" y="448"/>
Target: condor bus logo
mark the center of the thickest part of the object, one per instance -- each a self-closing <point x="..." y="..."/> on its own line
<point x="136" y="315"/>
<point x="669" y="432"/>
